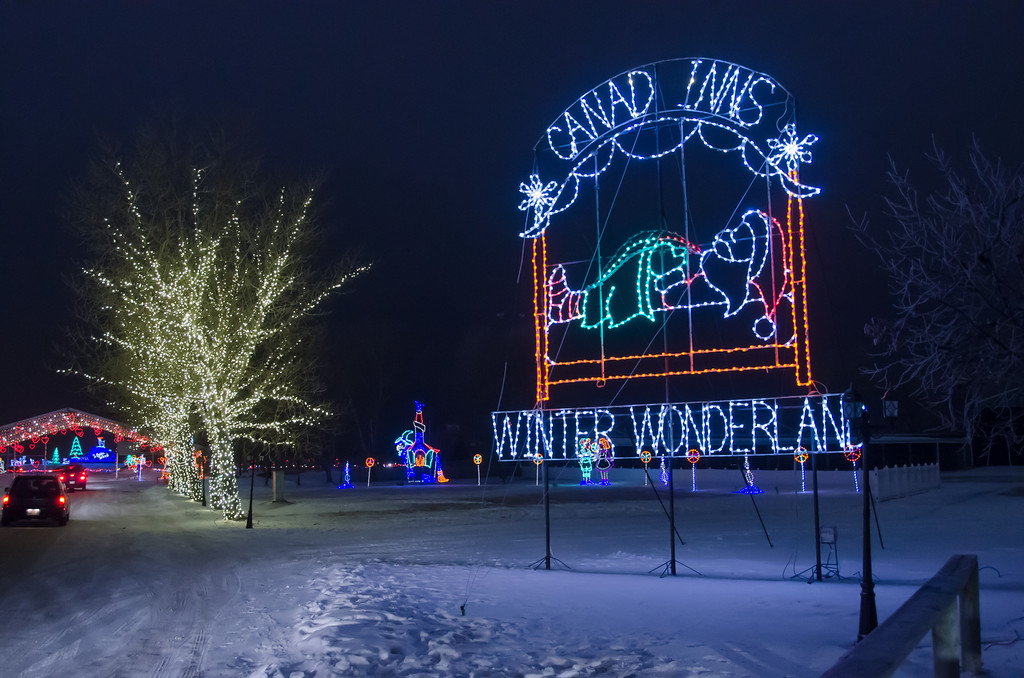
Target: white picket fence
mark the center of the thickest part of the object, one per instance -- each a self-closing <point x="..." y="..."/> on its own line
<point x="892" y="482"/>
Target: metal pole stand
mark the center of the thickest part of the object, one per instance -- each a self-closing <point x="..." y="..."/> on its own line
<point x="548" y="558"/>
<point x="669" y="566"/>
<point x="868" y="613"/>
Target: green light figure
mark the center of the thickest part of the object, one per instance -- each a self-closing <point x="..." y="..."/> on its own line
<point x="76" y="448"/>
<point x="586" y="453"/>
<point x="660" y="272"/>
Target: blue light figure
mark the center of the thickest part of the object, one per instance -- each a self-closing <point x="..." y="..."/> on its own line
<point x="748" y="475"/>
<point x="348" y="479"/>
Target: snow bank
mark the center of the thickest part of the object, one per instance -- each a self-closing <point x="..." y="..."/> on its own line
<point x="428" y="581"/>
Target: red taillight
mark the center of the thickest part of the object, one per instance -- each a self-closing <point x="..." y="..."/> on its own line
<point x="61" y="478"/>
<point x="82" y="477"/>
<point x="7" y="499"/>
<point x="62" y="500"/>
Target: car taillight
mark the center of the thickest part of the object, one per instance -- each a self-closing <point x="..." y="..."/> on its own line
<point x="61" y="478"/>
<point x="82" y="477"/>
<point x="61" y="500"/>
<point x="7" y="499"/>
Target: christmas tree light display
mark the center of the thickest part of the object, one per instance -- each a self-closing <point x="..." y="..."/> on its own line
<point x="347" y="482"/>
<point x="417" y="456"/>
<point x="76" y="449"/>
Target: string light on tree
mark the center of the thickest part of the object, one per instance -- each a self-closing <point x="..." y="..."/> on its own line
<point x="229" y="275"/>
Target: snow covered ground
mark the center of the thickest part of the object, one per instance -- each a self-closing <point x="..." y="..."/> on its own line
<point x="374" y="581"/>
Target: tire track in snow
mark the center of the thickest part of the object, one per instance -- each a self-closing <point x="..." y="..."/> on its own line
<point x="370" y="621"/>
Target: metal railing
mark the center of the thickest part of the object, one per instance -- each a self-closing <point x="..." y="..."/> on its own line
<point x="956" y="637"/>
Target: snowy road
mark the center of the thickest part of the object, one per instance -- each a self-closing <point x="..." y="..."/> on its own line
<point x="370" y="582"/>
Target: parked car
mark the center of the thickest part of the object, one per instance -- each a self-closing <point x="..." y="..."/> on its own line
<point x="34" y="496"/>
<point x="74" y="477"/>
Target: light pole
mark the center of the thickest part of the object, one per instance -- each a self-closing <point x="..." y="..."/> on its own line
<point x="857" y="414"/>
<point x="252" y="482"/>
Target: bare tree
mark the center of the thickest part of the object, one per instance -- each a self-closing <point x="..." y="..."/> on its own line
<point x="954" y="257"/>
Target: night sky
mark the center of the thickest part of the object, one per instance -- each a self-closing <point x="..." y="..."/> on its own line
<point x="422" y="117"/>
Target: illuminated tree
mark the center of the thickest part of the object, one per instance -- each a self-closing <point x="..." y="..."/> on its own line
<point x="954" y="258"/>
<point x="204" y="295"/>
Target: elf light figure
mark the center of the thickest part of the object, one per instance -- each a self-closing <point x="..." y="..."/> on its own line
<point x="605" y="459"/>
<point x="586" y="453"/>
<point x="417" y="456"/>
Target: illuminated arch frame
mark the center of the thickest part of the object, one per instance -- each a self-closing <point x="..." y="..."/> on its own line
<point x="62" y="421"/>
<point x="718" y="98"/>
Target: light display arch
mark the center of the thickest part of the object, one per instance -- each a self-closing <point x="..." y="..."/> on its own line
<point x="63" y="421"/>
<point x="690" y="264"/>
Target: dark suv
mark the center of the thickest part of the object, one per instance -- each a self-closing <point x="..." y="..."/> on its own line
<point x="36" y="497"/>
<point x="74" y="477"/>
